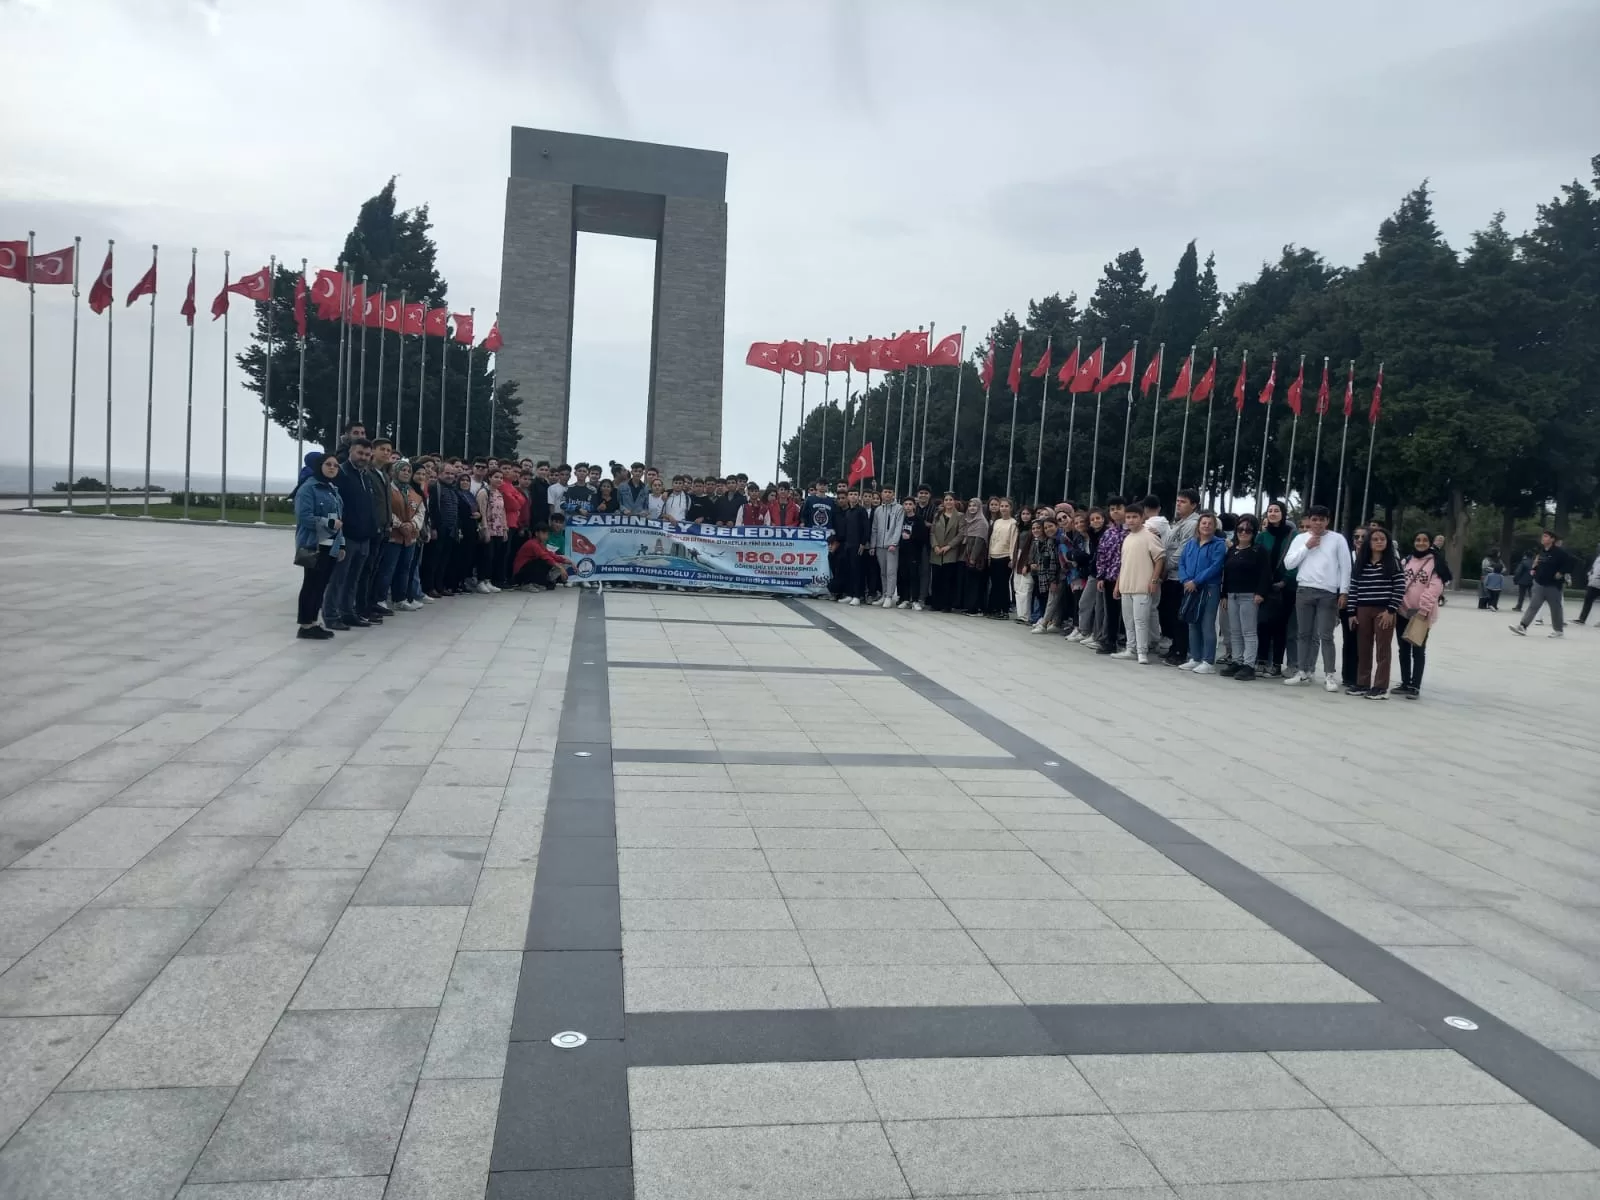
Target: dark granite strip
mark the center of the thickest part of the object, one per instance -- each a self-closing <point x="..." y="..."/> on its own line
<point x="744" y="668"/>
<point x="821" y="758"/>
<point x="708" y="621"/>
<point x="1534" y="1071"/>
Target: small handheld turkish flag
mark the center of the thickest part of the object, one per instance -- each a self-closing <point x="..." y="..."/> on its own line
<point x="947" y="353"/>
<point x="146" y="285"/>
<point x="861" y="466"/>
<point x="815" y="356"/>
<point x="437" y="322"/>
<point x="1121" y="373"/>
<point x="1180" y="386"/>
<point x="100" y="295"/>
<point x="415" y="314"/>
<point x="300" y="304"/>
<point x="492" y="343"/>
<point x="463" y="328"/>
<point x="56" y="267"/>
<point x="839" y="356"/>
<point x="188" y="299"/>
<point x="766" y="355"/>
<point x="14" y="260"/>
<point x="256" y="286"/>
<point x="1014" y="375"/>
<point x="1152" y="375"/>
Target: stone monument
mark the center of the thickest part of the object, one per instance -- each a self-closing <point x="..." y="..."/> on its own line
<point x="562" y="184"/>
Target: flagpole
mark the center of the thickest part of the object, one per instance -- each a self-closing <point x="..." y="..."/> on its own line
<point x="777" y="458"/>
<point x="1266" y="429"/>
<point x="844" y="420"/>
<point x="349" y="334"/>
<point x="911" y="448"/>
<point x="422" y="373"/>
<point x="1294" y="429"/>
<point x="383" y="312"/>
<point x="444" y="362"/>
<point x="361" y="382"/>
<point x="827" y="387"/>
<point x="300" y="392"/>
<point x="72" y="395"/>
<point x="266" y="385"/>
<point x="919" y="464"/>
<point x="1016" y="395"/>
<point x="1344" y="438"/>
<point x="800" y="444"/>
<point x="1372" y="441"/>
<point x="1127" y="420"/>
<point x="493" y="398"/>
<point x="111" y="310"/>
<point x="1155" y="420"/>
<point x="1211" y="406"/>
<point x="29" y="268"/>
<point x="400" y="378"/>
<point x="1072" y="422"/>
<point x="900" y="426"/>
<point x="1183" y="441"/>
<point x="955" y="421"/>
<point x="983" y="437"/>
<point x="888" y="397"/>
<point x="1316" y="450"/>
<point x="1238" y="417"/>
<point x="1044" y="404"/>
<point x="466" y="432"/>
<point x="188" y="415"/>
<point x="227" y="278"/>
<point x="338" y="364"/>
<point x="1094" y="455"/>
<point x="150" y="387"/>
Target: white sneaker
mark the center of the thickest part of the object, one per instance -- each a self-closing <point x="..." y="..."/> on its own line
<point x="426" y="599"/>
<point x="1204" y="669"/>
<point x="1144" y="660"/>
<point x="917" y="607"/>
<point x="855" y="601"/>
<point x="1188" y="664"/>
<point x="1123" y="654"/>
<point x="906" y="604"/>
<point x="1330" y="682"/>
<point x="1039" y="628"/>
<point x="1074" y="636"/>
<point x="1295" y="677"/>
<point x="1555" y="633"/>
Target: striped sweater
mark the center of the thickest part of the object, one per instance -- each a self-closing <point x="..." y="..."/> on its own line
<point x="1371" y="588"/>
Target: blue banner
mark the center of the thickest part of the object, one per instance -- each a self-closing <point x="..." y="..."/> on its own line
<point x="745" y="558"/>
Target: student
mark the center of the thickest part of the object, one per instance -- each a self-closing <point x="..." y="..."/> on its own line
<point x="785" y="509"/>
<point x="1200" y="575"/>
<point x="443" y="520"/>
<point x="1590" y="594"/>
<point x="1022" y="569"/>
<point x="1321" y="562"/>
<point x="1046" y="572"/>
<point x="676" y="505"/>
<point x="1002" y="546"/>
<point x="1278" y="609"/>
<point x="816" y="510"/>
<point x="1376" y="588"/>
<point x="854" y="533"/>
<point x="727" y="503"/>
<point x="974" y="557"/>
<point x="394" y="572"/>
<point x="496" y="529"/>
<point x="318" y="510"/>
<point x="606" y="500"/>
<point x="580" y="495"/>
<point x="945" y="543"/>
<point x="1551" y="570"/>
<point x="913" y="555"/>
<point x="1090" y="527"/>
<point x="927" y="509"/>
<point x="556" y="494"/>
<point x="1141" y="562"/>
<point x="537" y="565"/>
<point x="888" y="523"/>
<point x="1107" y="566"/>
<point x="1424" y="586"/>
<point x="633" y="494"/>
<point x="1246" y="582"/>
<point x="1174" y="538"/>
<point x="341" y="599"/>
<point x="754" y="509"/>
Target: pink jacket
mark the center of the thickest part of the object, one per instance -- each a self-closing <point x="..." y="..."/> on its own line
<point x="1423" y="587"/>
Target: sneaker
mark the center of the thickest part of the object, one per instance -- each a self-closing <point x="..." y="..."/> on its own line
<point x="357" y="622"/>
<point x="1378" y="694"/>
<point x="1555" y="633"/>
<point x="1413" y="693"/>
<point x="1519" y="630"/>
<point x="427" y="598"/>
<point x="1039" y="628"/>
<point x="382" y="610"/>
<point x="1123" y="654"/>
<point x="906" y="604"/>
<point x="917" y="607"/>
<point x="1187" y="664"/>
<point x="1074" y="636"/>
<point x="1297" y="677"/>
<point x="855" y="601"/>
<point x="1274" y="671"/>
<point x="1330" y="681"/>
<point x="1204" y="668"/>
<point x="313" y="633"/>
<point x="1245" y="673"/>
<point x="1353" y="690"/>
<point x="1144" y="660"/>
<point x="1230" y="669"/>
<point x="339" y="625"/>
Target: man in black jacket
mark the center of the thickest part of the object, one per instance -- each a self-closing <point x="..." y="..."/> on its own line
<point x="854" y="530"/>
<point x="1553" y="566"/>
<point x="340" y="603"/>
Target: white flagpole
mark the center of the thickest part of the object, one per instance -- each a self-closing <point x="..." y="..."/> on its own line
<point x="400" y="376"/>
<point x="266" y="385"/>
<point x="1372" y="442"/>
<point x="338" y="364"/>
<point x="422" y="374"/>
<point x="1266" y="429"/>
<point x="444" y="362"/>
<point x="150" y="389"/>
<point x="1183" y="441"/>
<point x="188" y="416"/>
<point x="983" y="435"/>
<point x="1316" y="450"/>
<point x="955" y="420"/>
<point x="1094" y="454"/>
<point x="1072" y="421"/>
<point x="919" y="463"/>
<point x="1238" y="416"/>
<point x="492" y="397"/>
<point x="466" y="392"/>
<point x="1127" y="419"/>
<point x="1016" y="395"/>
<point x="1344" y="439"/>
<point x="361" y="382"/>
<point x="1294" y="429"/>
<point x="800" y="443"/>
<point x="300" y="388"/>
<point x="1044" y="403"/>
<point x="111" y="310"/>
<point x="888" y="396"/>
<point x="900" y="425"/>
<point x="29" y="270"/>
<point x="827" y="386"/>
<point x="777" y="458"/>
<point x="227" y="278"/>
<point x="348" y="333"/>
<point x="1155" y="419"/>
<point x="72" y="393"/>
<point x="383" y="312"/>
<point x="1211" y="404"/>
<point x="844" y="420"/>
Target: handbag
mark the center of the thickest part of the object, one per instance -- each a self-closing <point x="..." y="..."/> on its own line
<point x="1416" y="631"/>
<point x="1193" y="607"/>
<point x="305" y="556"/>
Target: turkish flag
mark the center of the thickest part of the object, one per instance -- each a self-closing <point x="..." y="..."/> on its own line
<point x="219" y="306"/>
<point x="412" y="317"/>
<point x="1180" y="385"/>
<point x="861" y="466"/>
<point x="391" y="314"/>
<point x="1272" y="384"/>
<point x="145" y="287"/>
<point x="986" y="372"/>
<point x="1208" y="382"/>
<point x="1069" y="369"/>
<point x="947" y="353"/>
<point x="912" y="349"/>
<point x="328" y="291"/>
<point x="1350" y="391"/>
<point x="463" y="328"/>
<point x="1322" y="392"/>
<point x="840" y="356"/>
<point x="791" y="357"/>
<point x="357" y="303"/>
<point x="1121" y="373"/>
<point x="372" y="310"/>
<point x="766" y="355"/>
<point x="256" y="286"/>
<point x="493" y="342"/>
<point x="1014" y="374"/>
<point x="437" y="322"/>
<point x="1377" y="398"/>
<point x="14" y="260"/>
<point x="56" y="267"/>
<point x="1152" y="376"/>
<point x="100" y="295"/>
<point x="1043" y="367"/>
<point x="300" y="304"/>
<point x="1238" y="386"/>
<point x="188" y="300"/>
<point x="1089" y="373"/>
<point x="1296" y="389"/>
<point x="815" y="357"/>
<point x="889" y="353"/>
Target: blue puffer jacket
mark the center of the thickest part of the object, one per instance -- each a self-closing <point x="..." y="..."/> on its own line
<point x="1200" y="563"/>
<point x="316" y="505"/>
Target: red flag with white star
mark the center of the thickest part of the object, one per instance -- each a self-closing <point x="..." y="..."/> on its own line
<point x="100" y="294"/>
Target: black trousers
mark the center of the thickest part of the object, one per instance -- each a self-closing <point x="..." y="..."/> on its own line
<point x="848" y="573"/>
<point x="1349" y="649"/>
<point x="1590" y="595"/>
<point x="946" y="586"/>
<point x="499" y="561"/>
<point x="312" y="587"/>
<point x="1172" y="625"/>
<point x="1412" y="660"/>
<point x="1274" y="633"/>
<point x="910" y="571"/>
<point x="974" y="585"/>
<point x="871" y="575"/>
<point x="1113" y="632"/>
<point x="999" y="602"/>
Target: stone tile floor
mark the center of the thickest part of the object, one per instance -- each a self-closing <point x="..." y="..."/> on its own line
<point x="263" y="903"/>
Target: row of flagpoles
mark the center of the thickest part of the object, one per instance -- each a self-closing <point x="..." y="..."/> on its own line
<point x="336" y="296"/>
<point x="1077" y="375"/>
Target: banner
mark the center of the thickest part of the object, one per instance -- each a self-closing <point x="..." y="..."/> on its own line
<point x="745" y="558"/>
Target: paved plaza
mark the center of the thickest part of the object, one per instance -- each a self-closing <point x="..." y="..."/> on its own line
<point x="846" y="904"/>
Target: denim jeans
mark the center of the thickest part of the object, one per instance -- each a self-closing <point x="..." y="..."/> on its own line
<point x="388" y="562"/>
<point x="366" y="591"/>
<point x="339" y="600"/>
<point x="1242" y="641"/>
<point x="1203" y="633"/>
<point x="396" y="585"/>
<point x="414" y="585"/>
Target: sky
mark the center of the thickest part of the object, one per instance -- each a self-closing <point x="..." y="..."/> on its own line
<point x="890" y="164"/>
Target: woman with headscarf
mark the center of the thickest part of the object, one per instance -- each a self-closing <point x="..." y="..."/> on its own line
<point x="318" y="539"/>
<point x="1423" y="595"/>
<point x="974" y="558"/>
<point x="1275" y="644"/>
<point x="394" y="563"/>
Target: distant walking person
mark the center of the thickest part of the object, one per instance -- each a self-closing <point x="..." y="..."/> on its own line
<point x="1523" y="578"/>
<point x="1592" y="592"/>
<point x="1551" y="569"/>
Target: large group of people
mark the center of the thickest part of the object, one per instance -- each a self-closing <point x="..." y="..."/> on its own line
<point x="1229" y="595"/>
